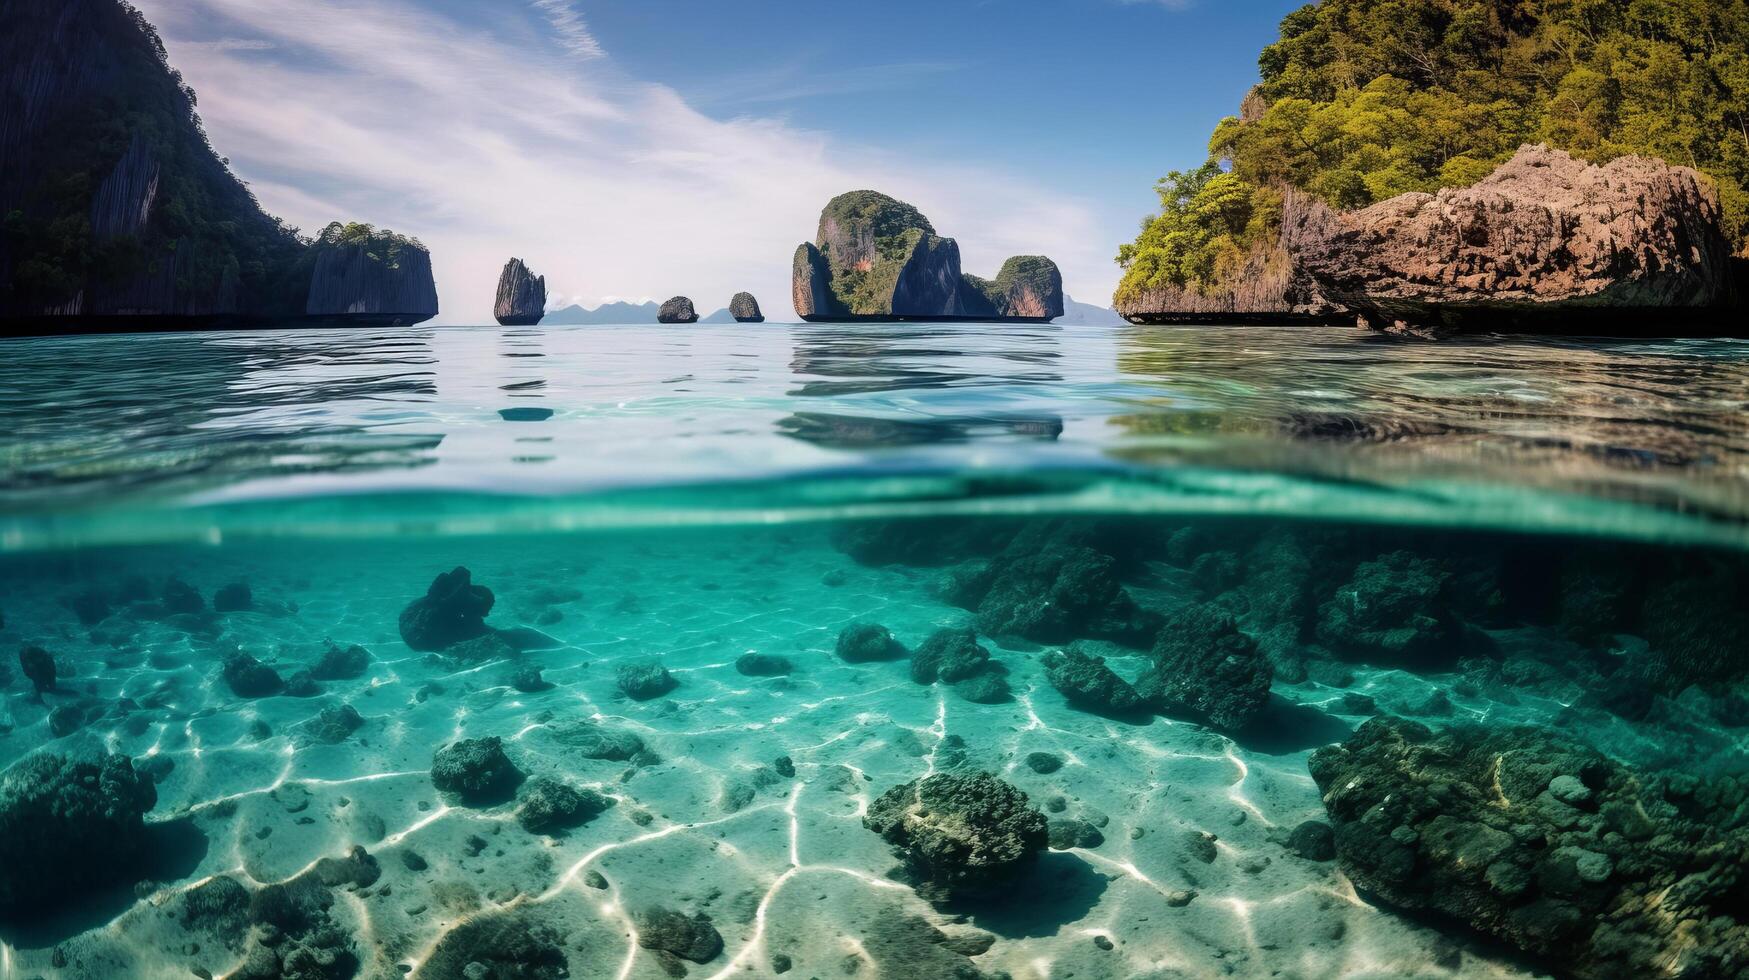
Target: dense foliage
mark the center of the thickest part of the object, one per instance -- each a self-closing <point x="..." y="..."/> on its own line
<point x="1361" y="100"/>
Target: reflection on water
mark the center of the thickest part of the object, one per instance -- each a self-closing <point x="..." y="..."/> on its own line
<point x="114" y="420"/>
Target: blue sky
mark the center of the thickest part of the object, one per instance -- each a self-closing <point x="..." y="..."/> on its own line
<point x="641" y="148"/>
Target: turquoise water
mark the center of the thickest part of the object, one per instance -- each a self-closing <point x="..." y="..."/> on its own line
<point x="1509" y="533"/>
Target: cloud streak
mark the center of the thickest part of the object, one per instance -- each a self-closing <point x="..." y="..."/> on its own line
<point x="573" y="32"/>
<point x="380" y="111"/>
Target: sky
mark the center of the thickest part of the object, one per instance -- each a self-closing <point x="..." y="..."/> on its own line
<point x="640" y="149"/>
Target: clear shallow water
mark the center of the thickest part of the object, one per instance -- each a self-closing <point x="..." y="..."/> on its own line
<point x="103" y="438"/>
<point x="1556" y="529"/>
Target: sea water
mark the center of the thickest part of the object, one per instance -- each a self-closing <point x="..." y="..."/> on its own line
<point x="1499" y="533"/>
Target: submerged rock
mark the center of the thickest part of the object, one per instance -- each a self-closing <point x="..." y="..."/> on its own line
<point x="1206" y="668"/>
<point x="903" y="944"/>
<point x="1053" y="594"/>
<point x="960" y="836"/>
<point x="868" y="642"/>
<point x="644" y="681"/>
<point x="341" y="664"/>
<point x="333" y="725"/>
<point x="677" y="310"/>
<point x="745" y="309"/>
<point x="38" y="667"/>
<point x="549" y="805"/>
<point x="688" y="937"/>
<point x="985" y="688"/>
<point x="522" y="296"/>
<point x="1636" y="876"/>
<point x="949" y="655"/>
<point x="452" y="610"/>
<point x="592" y="741"/>
<point x="476" y="770"/>
<point x="1393" y="612"/>
<point x="250" y="678"/>
<point x="1546" y="241"/>
<point x="1088" y="683"/>
<point x="763" y="665"/>
<point x="67" y="827"/>
<point x="235" y="597"/>
<point x="503" y="945"/>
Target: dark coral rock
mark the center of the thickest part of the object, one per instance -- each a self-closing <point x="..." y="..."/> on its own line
<point x="333" y="725"/>
<point x="295" y="935"/>
<point x="961" y="836"/>
<point x="948" y="655"/>
<point x="1393" y="612"/>
<point x="528" y="680"/>
<point x="643" y="681"/>
<point x="1043" y="763"/>
<point x="1313" y="840"/>
<point x="867" y="642"/>
<point x="1544" y="844"/>
<point x="67" y="827"/>
<point x="91" y="606"/>
<point x="301" y="684"/>
<point x="592" y="741"/>
<point x="476" y="770"/>
<point x="250" y="678"/>
<point x="986" y="688"/>
<point x="1065" y="834"/>
<point x="508" y="945"/>
<point x="357" y="869"/>
<point x="1059" y="594"/>
<point x="341" y="663"/>
<point x="549" y="805"/>
<point x="218" y="906"/>
<point x="1596" y="601"/>
<point x="181" y="599"/>
<point x="1206" y="668"/>
<point x="1698" y="628"/>
<point x="234" y="597"/>
<point x="688" y="937"/>
<point x="903" y="944"/>
<point x="481" y="649"/>
<point x="763" y="665"/>
<point x="452" y="610"/>
<point x="38" y="667"/>
<point x="1088" y="683"/>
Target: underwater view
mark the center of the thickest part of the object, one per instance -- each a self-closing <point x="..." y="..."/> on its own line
<point x="875" y="650"/>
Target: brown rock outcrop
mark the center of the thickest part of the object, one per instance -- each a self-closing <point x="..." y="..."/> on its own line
<point x="1546" y="242"/>
<point x="677" y="310"/>
<point x="745" y="309"/>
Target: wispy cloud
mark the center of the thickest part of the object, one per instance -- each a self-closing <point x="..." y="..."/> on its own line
<point x="573" y="32"/>
<point x="382" y="111"/>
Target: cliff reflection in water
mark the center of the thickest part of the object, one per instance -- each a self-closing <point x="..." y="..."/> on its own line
<point x="1658" y="422"/>
<point x="179" y="412"/>
<point x="965" y="383"/>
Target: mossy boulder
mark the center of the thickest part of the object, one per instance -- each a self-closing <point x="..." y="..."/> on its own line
<point x="961" y="836"/>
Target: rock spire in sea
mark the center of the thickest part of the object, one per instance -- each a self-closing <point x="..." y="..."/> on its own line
<point x="522" y="296"/>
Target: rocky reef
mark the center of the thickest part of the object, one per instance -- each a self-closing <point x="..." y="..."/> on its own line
<point x="124" y="217"/>
<point x="962" y="837"/>
<point x="745" y="309"/>
<point x="1546" y="242"/>
<point x="522" y="296"/>
<point x="68" y="826"/>
<point x="677" y="310"/>
<point x="1544" y="844"/>
<point x="877" y="258"/>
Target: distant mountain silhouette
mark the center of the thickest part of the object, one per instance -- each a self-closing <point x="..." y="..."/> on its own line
<point x="605" y="313"/>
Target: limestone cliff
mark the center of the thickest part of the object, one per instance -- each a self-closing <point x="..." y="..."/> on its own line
<point x="745" y="309"/>
<point x="118" y="214"/>
<point x="1545" y="242"/>
<point x="878" y="258"/>
<point x="390" y="286"/>
<point x="522" y="296"/>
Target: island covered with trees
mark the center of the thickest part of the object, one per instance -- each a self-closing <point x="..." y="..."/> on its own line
<point x="1362" y="100"/>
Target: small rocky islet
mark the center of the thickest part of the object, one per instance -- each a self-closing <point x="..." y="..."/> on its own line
<point x="1191" y="716"/>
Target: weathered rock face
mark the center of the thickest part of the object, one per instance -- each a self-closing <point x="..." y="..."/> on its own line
<point x="1546" y="242"/>
<point x="1269" y="288"/>
<point x="353" y="281"/>
<point x="961" y="836"/>
<point x="745" y="309"/>
<point x="1543" y="844"/>
<point x="174" y="238"/>
<point x="522" y="296"/>
<point x="677" y="310"/>
<point x="877" y="258"/>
